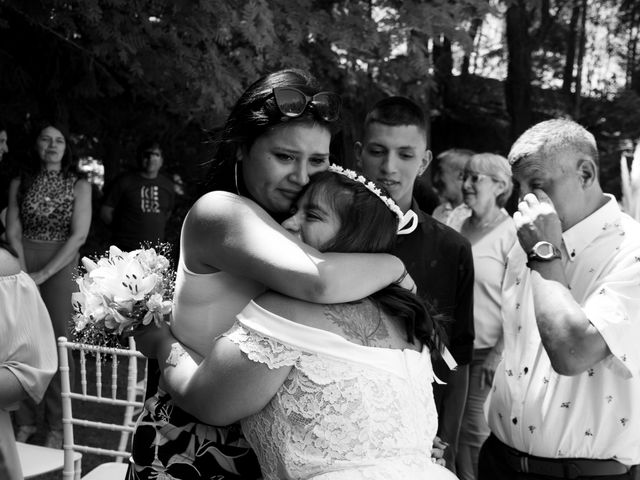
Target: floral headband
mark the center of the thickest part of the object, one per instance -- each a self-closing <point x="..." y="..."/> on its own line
<point x="407" y="222"/>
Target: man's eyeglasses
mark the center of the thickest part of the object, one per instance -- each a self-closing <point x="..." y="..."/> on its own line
<point x="292" y="103"/>
<point x="475" y="177"/>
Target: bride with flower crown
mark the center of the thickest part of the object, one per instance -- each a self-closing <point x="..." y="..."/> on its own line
<point x="340" y="390"/>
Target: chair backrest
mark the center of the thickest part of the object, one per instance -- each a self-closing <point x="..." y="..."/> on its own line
<point x="103" y="384"/>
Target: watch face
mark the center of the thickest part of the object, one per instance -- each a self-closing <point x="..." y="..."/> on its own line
<point x="545" y="250"/>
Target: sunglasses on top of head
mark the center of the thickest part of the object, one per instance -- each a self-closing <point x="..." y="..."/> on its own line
<point x="292" y="103"/>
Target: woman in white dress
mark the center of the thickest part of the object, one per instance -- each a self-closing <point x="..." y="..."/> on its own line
<point x="333" y="391"/>
<point x="232" y="248"/>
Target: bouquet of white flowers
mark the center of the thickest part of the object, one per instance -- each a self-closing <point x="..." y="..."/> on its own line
<point x="120" y="292"/>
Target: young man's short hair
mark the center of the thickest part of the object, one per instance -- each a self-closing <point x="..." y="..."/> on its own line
<point x="397" y="111"/>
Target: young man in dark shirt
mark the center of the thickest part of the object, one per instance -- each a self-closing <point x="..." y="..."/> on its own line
<point x="394" y="152"/>
<point x="138" y="204"/>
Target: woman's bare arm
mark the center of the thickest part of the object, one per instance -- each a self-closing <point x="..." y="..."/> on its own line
<point x="233" y="234"/>
<point x="14" y="226"/>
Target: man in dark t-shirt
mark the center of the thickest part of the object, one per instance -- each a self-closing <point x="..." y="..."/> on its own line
<point x="394" y="153"/>
<point x="138" y="204"/>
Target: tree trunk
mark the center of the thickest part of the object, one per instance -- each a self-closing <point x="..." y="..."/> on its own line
<point x="443" y="59"/>
<point x="631" y="58"/>
<point x="518" y="83"/>
<point x="443" y="68"/>
<point x="633" y="73"/>
<point x="476" y="23"/>
<point x="581" y="49"/>
<point x="572" y="35"/>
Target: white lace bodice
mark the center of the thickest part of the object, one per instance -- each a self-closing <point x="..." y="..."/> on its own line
<point x="345" y="411"/>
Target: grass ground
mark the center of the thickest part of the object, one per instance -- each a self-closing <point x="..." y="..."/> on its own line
<point x="103" y="413"/>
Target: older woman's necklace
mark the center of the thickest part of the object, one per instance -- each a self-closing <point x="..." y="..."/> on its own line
<point x="487" y="223"/>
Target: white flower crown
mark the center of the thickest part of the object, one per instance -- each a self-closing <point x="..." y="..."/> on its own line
<point x="407" y="222"/>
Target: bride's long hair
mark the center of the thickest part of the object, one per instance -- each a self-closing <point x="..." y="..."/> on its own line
<point x="367" y="225"/>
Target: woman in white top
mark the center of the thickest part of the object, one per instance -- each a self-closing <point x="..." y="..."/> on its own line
<point x="28" y="357"/>
<point x="486" y="188"/>
<point x="232" y="248"/>
<point x="333" y="391"/>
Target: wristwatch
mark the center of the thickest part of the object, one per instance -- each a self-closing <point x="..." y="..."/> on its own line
<point x="544" y="252"/>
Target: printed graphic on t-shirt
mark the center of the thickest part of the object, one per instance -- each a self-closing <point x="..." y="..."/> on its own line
<point x="149" y="199"/>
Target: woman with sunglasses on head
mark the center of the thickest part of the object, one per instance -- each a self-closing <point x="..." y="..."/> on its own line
<point x="233" y="248"/>
<point x="333" y="391"/>
<point x="486" y="188"/>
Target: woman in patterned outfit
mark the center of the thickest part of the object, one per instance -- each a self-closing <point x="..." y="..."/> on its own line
<point x="48" y="220"/>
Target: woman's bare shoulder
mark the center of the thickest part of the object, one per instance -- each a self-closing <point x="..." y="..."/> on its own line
<point x="220" y="199"/>
<point x="225" y="208"/>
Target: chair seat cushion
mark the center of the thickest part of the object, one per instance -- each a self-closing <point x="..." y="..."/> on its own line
<point x="36" y="460"/>
<point x="108" y="471"/>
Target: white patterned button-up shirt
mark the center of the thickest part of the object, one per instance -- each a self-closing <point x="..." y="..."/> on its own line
<point x="595" y="414"/>
<point x="450" y="216"/>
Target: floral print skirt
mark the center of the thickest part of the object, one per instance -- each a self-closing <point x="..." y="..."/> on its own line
<point x="171" y="444"/>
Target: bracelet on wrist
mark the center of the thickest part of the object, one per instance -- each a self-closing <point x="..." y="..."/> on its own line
<point x="401" y="277"/>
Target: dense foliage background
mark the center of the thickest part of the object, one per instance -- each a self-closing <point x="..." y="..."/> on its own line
<point x="116" y="71"/>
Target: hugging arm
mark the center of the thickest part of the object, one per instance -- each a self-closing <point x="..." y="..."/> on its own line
<point x="235" y="235"/>
<point x="226" y="232"/>
<point x="234" y="386"/>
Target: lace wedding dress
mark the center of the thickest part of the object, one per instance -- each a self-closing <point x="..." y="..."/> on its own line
<point x="345" y="411"/>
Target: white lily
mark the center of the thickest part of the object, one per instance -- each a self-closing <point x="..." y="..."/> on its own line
<point x="121" y="290"/>
<point x="124" y="280"/>
<point x="89" y="306"/>
<point x="158" y="307"/>
<point x="89" y="264"/>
